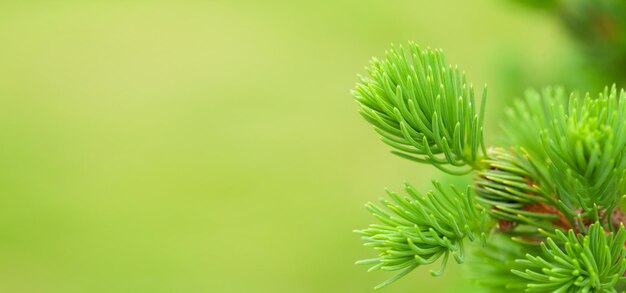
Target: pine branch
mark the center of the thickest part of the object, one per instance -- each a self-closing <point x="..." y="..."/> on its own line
<point x="553" y="193"/>
<point x="587" y="148"/>
<point x="514" y="192"/>
<point x="584" y="263"/>
<point x="582" y="145"/>
<point x="419" y="229"/>
<point x="424" y="109"/>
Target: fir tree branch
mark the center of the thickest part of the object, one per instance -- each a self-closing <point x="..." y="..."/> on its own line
<point x="419" y="229"/>
<point x="586" y="145"/>
<point x="424" y="109"/>
<point x="582" y="145"/>
<point x="583" y="263"/>
<point x="554" y="192"/>
<point x="513" y="191"/>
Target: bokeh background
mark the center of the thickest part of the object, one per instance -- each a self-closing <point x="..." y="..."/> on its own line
<point x="194" y="146"/>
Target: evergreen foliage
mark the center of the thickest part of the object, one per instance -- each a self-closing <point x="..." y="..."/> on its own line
<point x="580" y="263"/>
<point x="419" y="229"/>
<point x="423" y="108"/>
<point x="549" y="196"/>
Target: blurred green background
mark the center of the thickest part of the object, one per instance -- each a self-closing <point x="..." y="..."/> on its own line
<point x="194" y="146"/>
